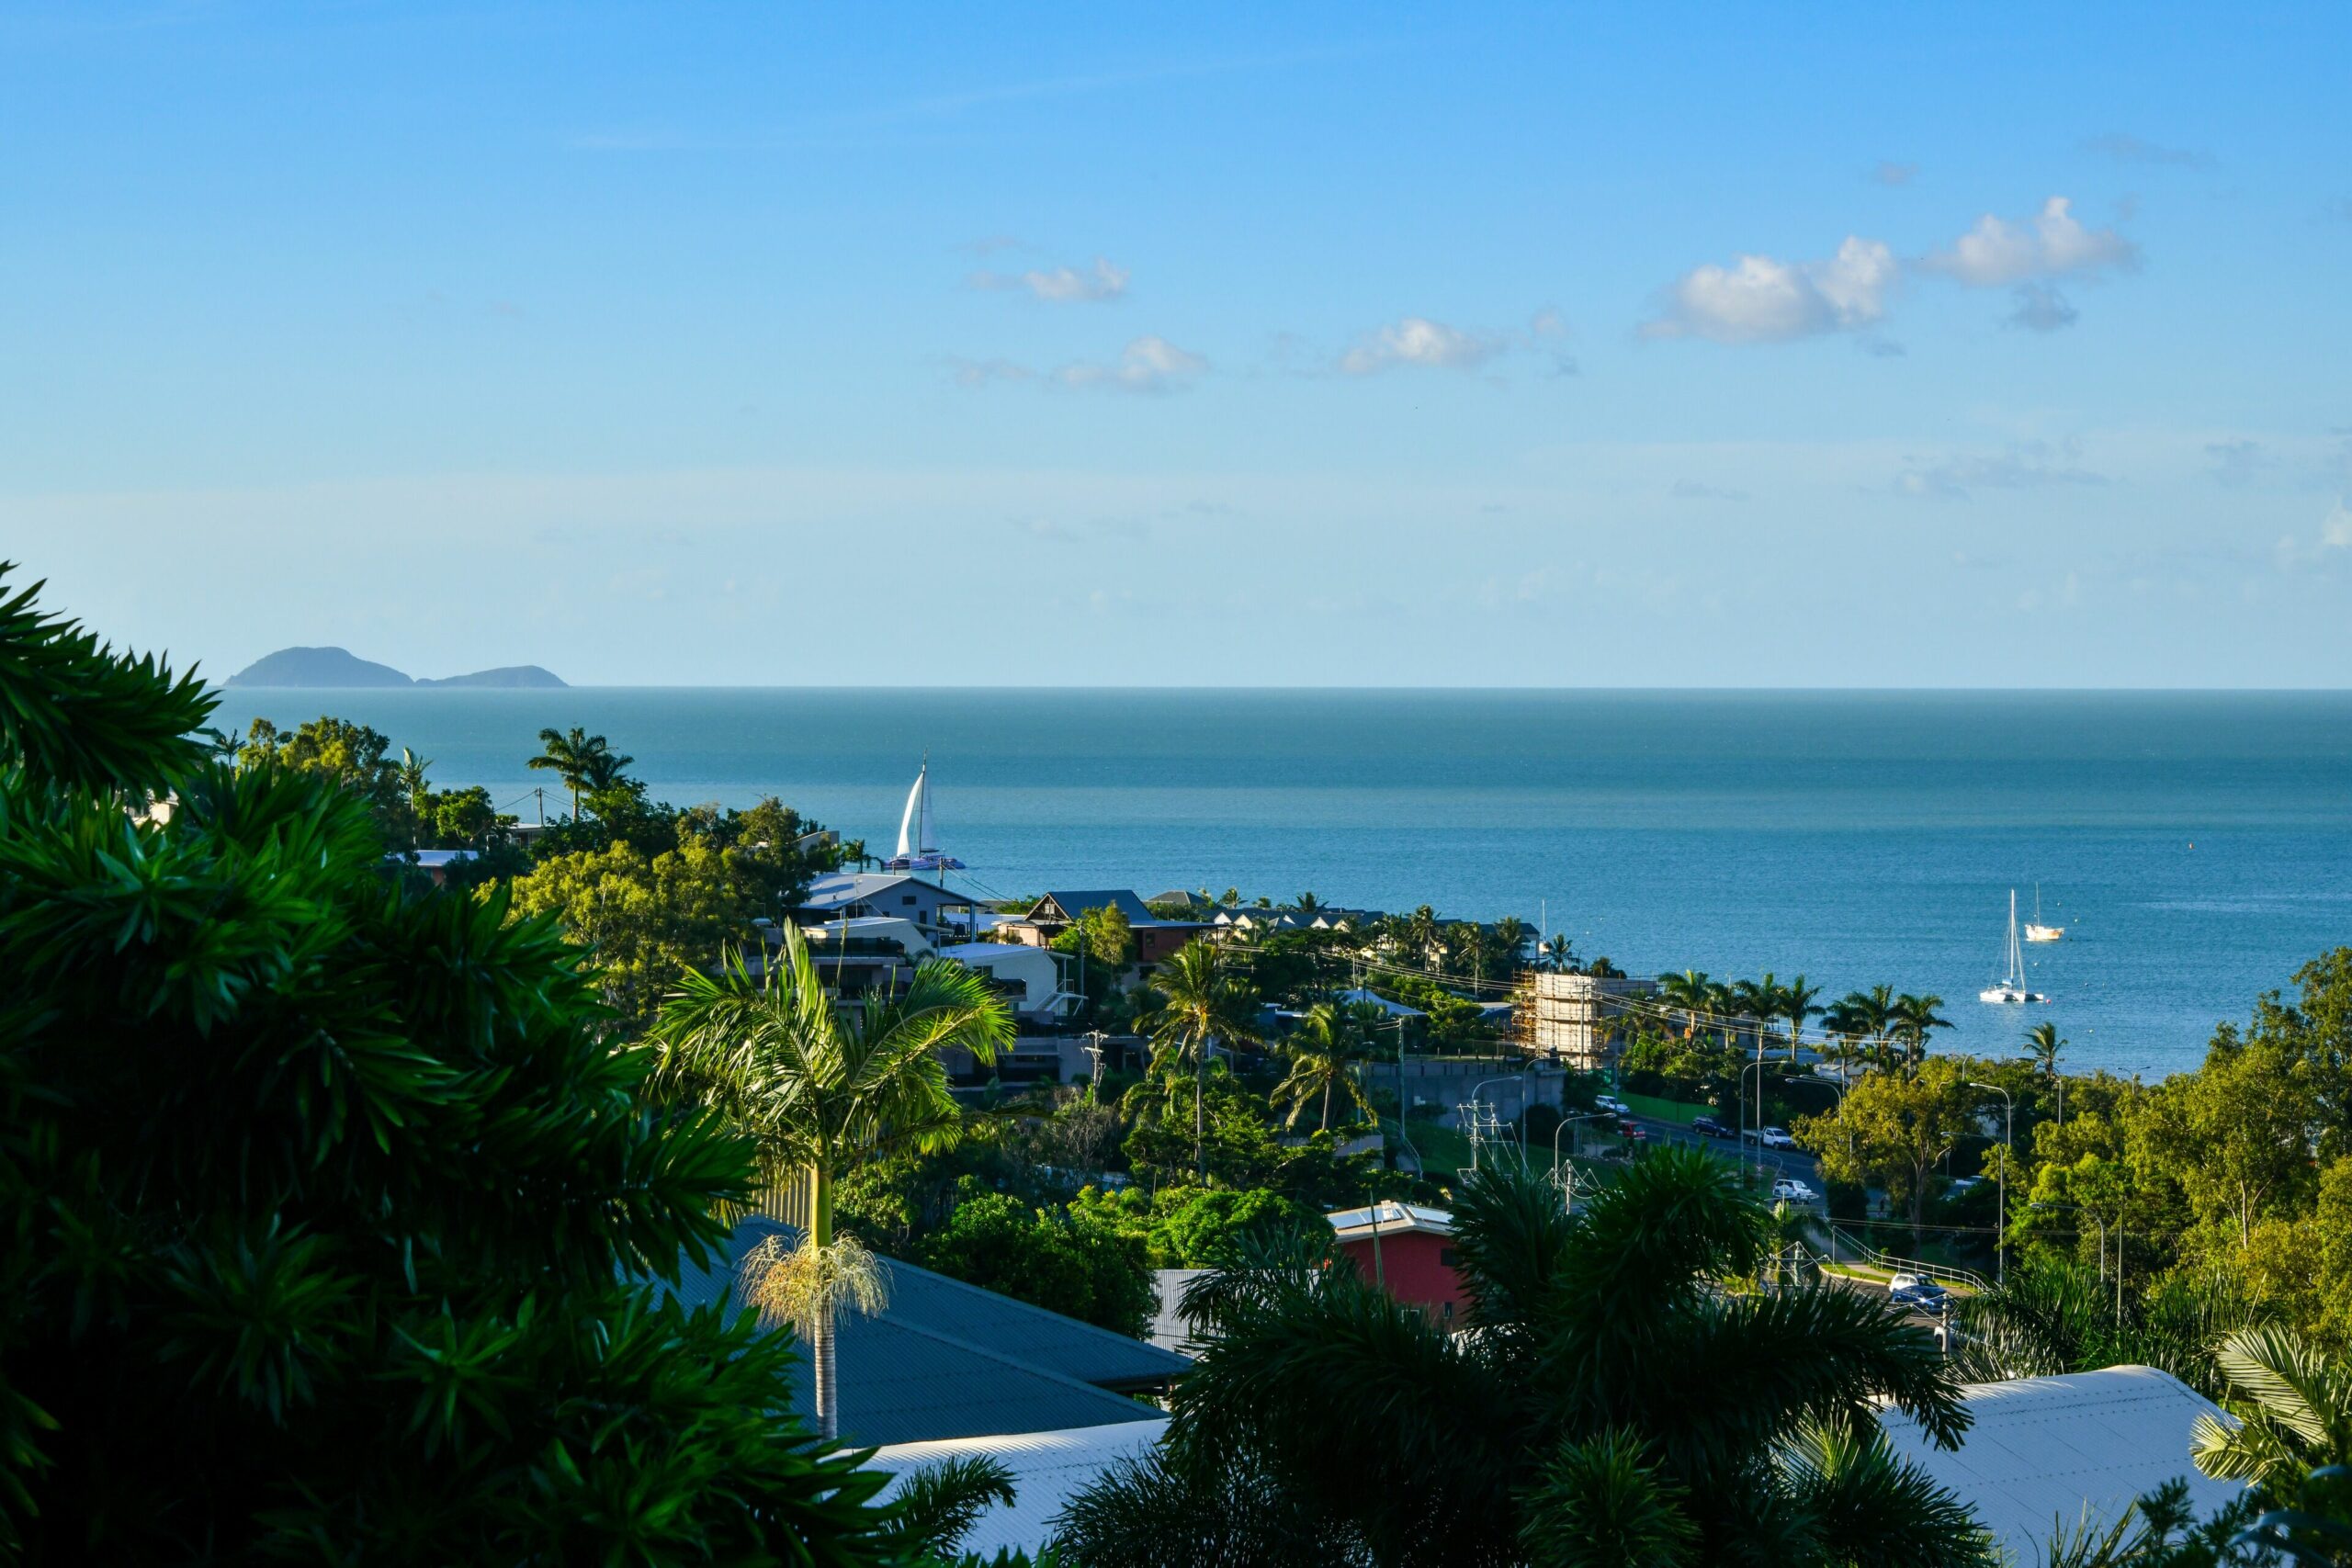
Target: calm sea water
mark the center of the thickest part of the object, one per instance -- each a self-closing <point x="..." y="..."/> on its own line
<point x="2198" y="847"/>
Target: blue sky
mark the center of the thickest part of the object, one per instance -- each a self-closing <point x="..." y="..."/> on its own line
<point x="1640" y="346"/>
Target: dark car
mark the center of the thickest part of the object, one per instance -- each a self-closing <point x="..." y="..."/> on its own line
<point x="1708" y="1127"/>
<point x="1919" y="1295"/>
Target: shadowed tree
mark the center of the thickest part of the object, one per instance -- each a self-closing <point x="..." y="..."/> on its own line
<point x="1796" y="1006"/>
<point x="1323" y="1051"/>
<point x="1611" y="1404"/>
<point x="1689" y="994"/>
<point x="1910" y="1021"/>
<point x="824" y="1088"/>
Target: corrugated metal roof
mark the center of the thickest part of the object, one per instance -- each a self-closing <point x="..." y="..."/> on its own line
<point x="1047" y="1468"/>
<point x="2041" y="1448"/>
<point x="1395" y="1219"/>
<point x="948" y="1360"/>
<point x="1074" y="904"/>
<point x="1168" y="1329"/>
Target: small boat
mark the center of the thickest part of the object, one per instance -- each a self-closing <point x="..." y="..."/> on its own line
<point x="917" y="849"/>
<point x="2034" y="929"/>
<point x="2012" y="988"/>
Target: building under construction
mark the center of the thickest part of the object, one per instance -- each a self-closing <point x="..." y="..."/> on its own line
<point x="1570" y="1018"/>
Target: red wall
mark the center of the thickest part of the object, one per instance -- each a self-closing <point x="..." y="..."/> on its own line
<point x="1413" y="1266"/>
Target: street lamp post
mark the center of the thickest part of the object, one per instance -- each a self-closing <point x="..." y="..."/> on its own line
<point x="1479" y="1088"/>
<point x="1754" y="1067"/>
<point x="2009" y="1149"/>
<point x="1564" y="1122"/>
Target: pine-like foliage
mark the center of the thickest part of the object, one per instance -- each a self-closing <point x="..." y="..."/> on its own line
<point x="320" y="1204"/>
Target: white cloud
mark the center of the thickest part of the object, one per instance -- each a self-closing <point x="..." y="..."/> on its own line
<point x="1147" y="364"/>
<point x="1762" y="299"/>
<point x="1417" y="340"/>
<point x="1890" y="172"/>
<point x="1100" y="282"/>
<point x="2052" y="244"/>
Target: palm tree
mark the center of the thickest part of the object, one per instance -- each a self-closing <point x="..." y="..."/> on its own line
<point x="1796" y="1006"/>
<point x="1422" y="935"/>
<point x="1322" y="1051"/>
<point x="2293" y="1407"/>
<point x="1688" y="994"/>
<point x="1198" y="1007"/>
<point x="1512" y="936"/>
<point x="2041" y="1048"/>
<point x="1559" y="955"/>
<point x="1612" y="1401"/>
<point x="414" y="788"/>
<point x="1912" y="1018"/>
<point x="1753" y="1001"/>
<point x="580" y="760"/>
<point x="823" y="1087"/>
<point x="1872" y="1014"/>
<point x="1307" y="904"/>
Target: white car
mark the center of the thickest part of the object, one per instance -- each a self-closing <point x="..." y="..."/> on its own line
<point x="1790" y="1190"/>
<point x="1773" y="1137"/>
<point x="1613" y="1106"/>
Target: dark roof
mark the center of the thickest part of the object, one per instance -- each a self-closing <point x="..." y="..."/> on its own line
<point x="1074" y="904"/>
<point x="948" y="1360"/>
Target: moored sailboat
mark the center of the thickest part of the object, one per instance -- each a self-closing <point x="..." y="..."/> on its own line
<point x="2012" y="987"/>
<point x="2034" y="929"/>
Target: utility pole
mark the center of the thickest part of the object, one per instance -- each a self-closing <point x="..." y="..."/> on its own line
<point x="2008" y="1148"/>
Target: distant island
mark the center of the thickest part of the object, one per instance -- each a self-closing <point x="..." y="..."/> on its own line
<point x="339" y="668"/>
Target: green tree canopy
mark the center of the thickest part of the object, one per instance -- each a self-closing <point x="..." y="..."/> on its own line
<point x="323" y="1202"/>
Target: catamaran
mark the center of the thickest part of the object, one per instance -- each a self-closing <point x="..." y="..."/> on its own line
<point x="918" y="850"/>
<point x="2012" y="987"/>
<point x="2034" y="929"/>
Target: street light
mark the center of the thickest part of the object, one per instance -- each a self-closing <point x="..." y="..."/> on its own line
<point x="1756" y="1067"/>
<point x="2009" y="1149"/>
<point x="1564" y="1122"/>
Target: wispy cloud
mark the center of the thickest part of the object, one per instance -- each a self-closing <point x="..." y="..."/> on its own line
<point x="2334" y="537"/>
<point x="1692" y="490"/>
<point x="1095" y="283"/>
<point x="2126" y="148"/>
<point x="2235" y="463"/>
<point x="1763" y="299"/>
<point x="2025" y="465"/>
<point x="1417" y="340"/>
<point x="1888" y="173"/>
<point x="1150" y="365"/>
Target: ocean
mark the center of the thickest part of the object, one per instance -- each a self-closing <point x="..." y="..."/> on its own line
<point x="2197" y="846"/>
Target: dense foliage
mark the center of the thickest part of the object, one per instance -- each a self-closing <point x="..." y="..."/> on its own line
<point x="322" y="1197"/>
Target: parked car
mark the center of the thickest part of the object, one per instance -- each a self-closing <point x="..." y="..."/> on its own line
<point x="1775" y="1138"/>
<point x="1791" y="1190"/>
<point x="1615" y="1106"/>
<point x="1708" y="1127"/>
<point x="1919" y="1293"/>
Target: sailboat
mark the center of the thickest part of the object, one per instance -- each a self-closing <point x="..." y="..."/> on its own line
<point x="2012" y="987"/>
<point x="2034" y="929"/>
<point x="918" y="851"/>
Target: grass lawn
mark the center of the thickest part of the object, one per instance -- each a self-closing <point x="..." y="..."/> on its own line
<point x="1656" y="1109"/>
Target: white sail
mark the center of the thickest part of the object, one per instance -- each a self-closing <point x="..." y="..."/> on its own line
<point x="911" y="824"/>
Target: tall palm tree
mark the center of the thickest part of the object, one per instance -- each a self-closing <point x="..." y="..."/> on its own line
<point x="1323" y="1051"/>
<point x="580" y="760"/>
<point x="1689" y="994"/>
<point x="1611" y="1404"/>
<point x="823" y="1087"/>
<point x="1556" y="955"/>
<point x="1512" y="936"/>
<point x="1307" y="904"/>
<point x="1422" y="935"/>
<point x="2293" y="1406"/>
<point x="1753" y="1001"/>
<point x="1912" y="1018"/>
<point x="1198" y="1007"/>
<point x="1796" y="1006"/>
<point x="2041" y="1048"/>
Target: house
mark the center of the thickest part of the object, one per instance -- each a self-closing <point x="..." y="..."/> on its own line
<point x="2041" y="1451"/>
<point x="945" y="1359"/>
<point x="1055" y="913"/>
<point x="1170" y="1330"/>
<point x="1031" y="978"/>
<point x="435" y="864"/>
<point x="1409" y="1251"/>
<point x="866" y="930"/>
<point x="1047" y="1468"/>
<point x="942" y="915"/>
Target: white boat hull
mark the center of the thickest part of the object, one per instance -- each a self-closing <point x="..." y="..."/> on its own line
<point x="2008" y="995"/>
<point x="2044" y="933"/>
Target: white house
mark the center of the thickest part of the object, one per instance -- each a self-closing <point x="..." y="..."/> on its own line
<point x="940" y="914"/>
<point x="1033" y="970"/>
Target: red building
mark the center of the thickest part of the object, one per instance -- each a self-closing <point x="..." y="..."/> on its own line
<point x="1408" y="1250"/>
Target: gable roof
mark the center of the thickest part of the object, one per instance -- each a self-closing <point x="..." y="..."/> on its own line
<point x="1393" y="1218"/>
<point x="1074" y="902"/>
<point x="948" y="1360"/>
<point x="2040" y="1449"/>
<point x="836" y="888"/>
<point x="1049" y="1469"/>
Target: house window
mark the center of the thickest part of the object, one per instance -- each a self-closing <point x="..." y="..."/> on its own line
<point x="1445" y="1312"/>
<point x="906" y="898"/>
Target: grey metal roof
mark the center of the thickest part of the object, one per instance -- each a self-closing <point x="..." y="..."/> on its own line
<point x="1169" y="1328"/>
<point x="948" y="1360"/>
<point x="1049" y="1469"/>
<point x="2039" y="1450"/>
<point x="838" y="888"/>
